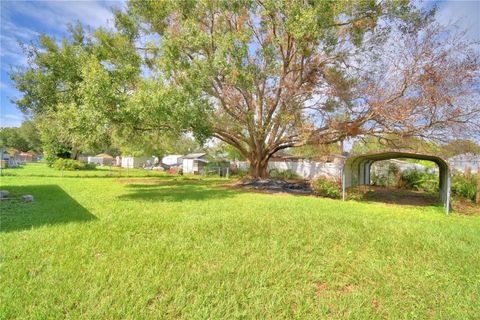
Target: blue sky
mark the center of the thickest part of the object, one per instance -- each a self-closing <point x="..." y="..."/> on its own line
<point x="24" y="20"/>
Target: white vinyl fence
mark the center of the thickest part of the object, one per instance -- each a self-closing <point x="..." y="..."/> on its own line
<point x="305" y="169"/>
<point x="464" y="161"/>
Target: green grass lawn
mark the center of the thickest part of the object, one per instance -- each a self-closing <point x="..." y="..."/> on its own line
<point x="42" y="170"/>
<point x="102" y="248"/>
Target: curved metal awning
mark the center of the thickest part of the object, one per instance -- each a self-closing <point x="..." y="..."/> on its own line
<point x="356" y="170"/>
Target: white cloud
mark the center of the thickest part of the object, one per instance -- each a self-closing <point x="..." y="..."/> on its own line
<point x="59" y="13"/>
<point x="464" y="14"/>
<point x="10" y="120"/>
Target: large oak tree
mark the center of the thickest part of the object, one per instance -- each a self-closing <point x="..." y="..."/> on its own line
<point x="281" y="74"/>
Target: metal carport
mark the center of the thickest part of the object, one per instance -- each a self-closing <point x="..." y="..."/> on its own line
<point x="356" y="170"/>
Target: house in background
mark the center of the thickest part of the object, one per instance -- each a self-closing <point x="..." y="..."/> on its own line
<point x="463" y="161"/>
<point x="172" y="160"/>
<point x="6" y="160"/>
<point x="135" y="162"/>
<point x="194" y="163"/>
<point x="101" y="159"/>
<point x="24" y="157"/>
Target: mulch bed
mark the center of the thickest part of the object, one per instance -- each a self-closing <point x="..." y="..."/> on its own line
<point x="277" y="186"/>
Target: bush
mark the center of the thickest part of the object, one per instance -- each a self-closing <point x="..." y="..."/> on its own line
<point x="463" y="186"/>
<point x="419" y="180"/>
<point x="283" y="174"/>
<point x="68" y="164"/>
<point x="384" y="174"/>
<point x="327" y="187"/>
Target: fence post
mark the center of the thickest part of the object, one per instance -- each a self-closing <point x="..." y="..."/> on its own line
<point x="478" y="185"/>
<point x="228" y="172"/>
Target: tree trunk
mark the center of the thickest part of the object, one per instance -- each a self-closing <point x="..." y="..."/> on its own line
<point x="258" y="169"/>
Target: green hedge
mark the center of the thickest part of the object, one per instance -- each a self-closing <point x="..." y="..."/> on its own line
<point x="72" y="165"/>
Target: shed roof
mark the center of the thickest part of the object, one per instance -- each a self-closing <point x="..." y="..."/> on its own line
<point x="103" y="155"/>
<point x="396" y="154"/>
<point x="194" y="155"/>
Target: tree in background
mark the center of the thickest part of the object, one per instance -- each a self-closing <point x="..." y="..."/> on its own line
<point x="29" y="131"/>
<point x="154" y="143"/>
<point x="316" y="151"/>
<point x="457" y="147"/>
<point x="85" y="94"/>
<point x="24" y="138"/>
<point x="11" y="138"/>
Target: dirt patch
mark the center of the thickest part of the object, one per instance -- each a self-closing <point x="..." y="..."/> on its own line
<point x="392" y="195"/>
<point x="399" y="196"/>
<point x="322" y="289"/>
<point x="463" y="206"/>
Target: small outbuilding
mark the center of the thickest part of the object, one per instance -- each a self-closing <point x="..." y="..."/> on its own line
<point x="356" y="170"/>
<point x="172" y="160"/>
<point x="135" y="162"/>
<point x="194" y="163"/>
<point x="23" y="157"/>
<point x="101" y="159"/>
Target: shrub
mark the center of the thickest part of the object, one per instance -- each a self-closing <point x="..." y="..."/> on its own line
<point x="384" y="174"/>
<point x="68" y="164"/>
<point x="419" y="180"/>
<point x="463" y="186"/>
<point x="327" y="187"/>
<point x="283" y="174"/>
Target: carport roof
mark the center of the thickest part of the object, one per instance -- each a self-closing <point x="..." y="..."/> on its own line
<point x="396" y="154"/>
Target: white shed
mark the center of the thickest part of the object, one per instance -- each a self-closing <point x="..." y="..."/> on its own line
<point x="101" y="159"/>
<point x="134" y="162"/>
<point x="194" y="163"/>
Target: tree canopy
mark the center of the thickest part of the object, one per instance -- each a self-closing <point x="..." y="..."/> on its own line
<point x="24" y="138"/>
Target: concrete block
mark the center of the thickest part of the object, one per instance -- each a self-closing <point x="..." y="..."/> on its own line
<point x="27" y="198"/>
<point x="4" y="193"/>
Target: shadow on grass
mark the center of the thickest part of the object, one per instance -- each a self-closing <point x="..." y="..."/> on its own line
<point x="51" y="206"/>
<point x="175" y="182"/>
<point x="178" y="191"/>
<point x="73" y="174"/>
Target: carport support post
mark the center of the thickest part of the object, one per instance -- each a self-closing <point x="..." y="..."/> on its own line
<point x="447" y="201"/>
<point x="478" y="185"/>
